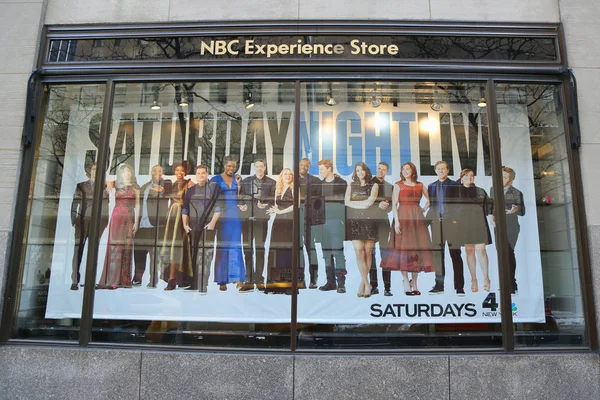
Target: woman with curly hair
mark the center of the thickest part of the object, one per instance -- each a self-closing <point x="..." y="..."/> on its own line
<point x="410" y="237"/>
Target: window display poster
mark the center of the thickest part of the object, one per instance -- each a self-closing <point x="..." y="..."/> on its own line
<point x="427" y="221"/>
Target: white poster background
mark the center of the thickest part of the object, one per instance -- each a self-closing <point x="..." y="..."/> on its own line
<point x="314" y="306"/>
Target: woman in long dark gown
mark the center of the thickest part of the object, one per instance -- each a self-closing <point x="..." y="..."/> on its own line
<point x="475" y="235"/>
<point x="282" y="231"/>
<point x="229" y="259"/>
<point x="121" y="231"/>
<point x="176" y="254"/>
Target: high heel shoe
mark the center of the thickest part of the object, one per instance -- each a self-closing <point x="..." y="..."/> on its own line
<point x="413" y="289"/>
<point x="474" y="286"/>
<point x="361" y="290"/>
<point x="171" y="285"/>
<point x="367" y="294"/>
<point x="407" y="289"/>
<point x="487" y="284"/>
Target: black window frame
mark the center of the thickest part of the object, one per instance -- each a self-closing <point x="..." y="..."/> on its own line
<point x="295" y="72"/>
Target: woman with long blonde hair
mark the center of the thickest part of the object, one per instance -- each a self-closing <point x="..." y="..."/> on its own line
<point x="282" y="233"/>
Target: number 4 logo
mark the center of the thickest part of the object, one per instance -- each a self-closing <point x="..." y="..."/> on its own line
<point x="490" y="302"/>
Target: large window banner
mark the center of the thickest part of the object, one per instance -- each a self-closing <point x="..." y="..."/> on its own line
<point x="395" y="207"/>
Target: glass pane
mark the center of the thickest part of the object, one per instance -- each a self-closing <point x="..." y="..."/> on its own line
<point x="546" y="295"/>
<point x="407" y="47"/>
<point x="397" y="236"/>
<point x="198" y="247"/>
<point x="58" y="217"/>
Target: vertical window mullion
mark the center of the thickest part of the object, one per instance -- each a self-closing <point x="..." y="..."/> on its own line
<point x="87" y="310"/>
<point x="585" y="274"/>
<point x="296" y="237"/>
<point x="508" y="338"/>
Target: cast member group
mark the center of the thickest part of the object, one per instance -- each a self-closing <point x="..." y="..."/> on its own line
<point x="175" y="224"/>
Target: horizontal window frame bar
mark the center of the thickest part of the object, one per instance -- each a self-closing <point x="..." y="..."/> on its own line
<point x="303" y="27"/>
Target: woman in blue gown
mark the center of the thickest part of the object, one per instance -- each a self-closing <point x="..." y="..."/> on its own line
<point x="229" y="260"/>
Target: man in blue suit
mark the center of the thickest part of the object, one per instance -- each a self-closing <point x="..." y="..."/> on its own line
<point x="443" y="215"/>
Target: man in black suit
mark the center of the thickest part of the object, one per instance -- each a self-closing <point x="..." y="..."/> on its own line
<point x="443" y="214"/>
<point x="309" y="189"/>
<point x="382" y="207"/>
<point x="154" y="210"/>
<point x="81" y="212"/>
<point x="332" y="234"/>
<point x="257" y="195"/>
<point x="514" y="207"/>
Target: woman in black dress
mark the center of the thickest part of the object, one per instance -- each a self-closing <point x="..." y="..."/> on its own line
<point x="361" y="228"/>
<point x="283" y="227"/>
<point x="475" y="233"/>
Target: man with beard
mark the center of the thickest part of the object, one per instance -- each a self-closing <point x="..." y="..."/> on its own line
<point x="514" y="206"/>
<point x="154" y="210"/>
<point x="309" y="189"/>
<point x="81" y="213"/>
<point x="257" y="195"/>
<point x="201" y="208"/>
<point x="381" y="209"/>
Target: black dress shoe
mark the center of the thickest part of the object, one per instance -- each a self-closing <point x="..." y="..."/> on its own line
<point x="74" y="287"/>
<point x="437" y="289"/>
<point x="374" y="291"/>
<point x="328" y="286"/>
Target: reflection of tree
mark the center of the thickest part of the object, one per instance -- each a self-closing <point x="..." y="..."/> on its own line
<point x="541" y="106"/>
<point x="410" y="47"/>
<point x="58" y="122"/>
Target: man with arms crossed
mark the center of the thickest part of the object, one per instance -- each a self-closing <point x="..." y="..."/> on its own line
<point x="514" y="207"/>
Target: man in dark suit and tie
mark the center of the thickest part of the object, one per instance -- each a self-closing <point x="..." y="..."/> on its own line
<point x="309" y="189"/>
<point x="444" y="214"/>
<point x="154" y="210"/>
<point x="257" y="195"/>
<point x="382" y="207"/>
<point x="81" y="212"/>
<point x="200" y="209"/>
<point x="514" y="207"/>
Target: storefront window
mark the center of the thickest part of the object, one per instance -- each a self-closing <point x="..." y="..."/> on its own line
<point x="543" y="261"/>
<point x="59" y="210"/>
<point x="198" y="247"/>
<point x="401" y="248"/>
<point x="388" y="206"/>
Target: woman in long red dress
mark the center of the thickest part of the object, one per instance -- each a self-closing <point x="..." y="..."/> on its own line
<point x="412" y="243"/>
<point x="121" y="230"/>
